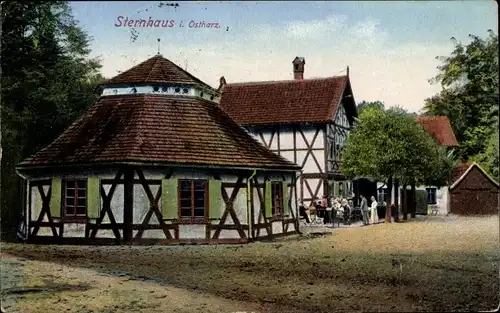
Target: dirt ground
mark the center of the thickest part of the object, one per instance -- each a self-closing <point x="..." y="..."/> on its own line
<point x="428" y="264"/>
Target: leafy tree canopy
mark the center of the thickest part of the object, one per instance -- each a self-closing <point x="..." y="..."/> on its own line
<point x="370" y="104"/>
<point x="391" y="143"/>
<point x="48" y="80"/>
<point x="469" y="77"/>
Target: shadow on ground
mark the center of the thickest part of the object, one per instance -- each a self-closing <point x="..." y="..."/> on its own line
<point x="298" y="276"/>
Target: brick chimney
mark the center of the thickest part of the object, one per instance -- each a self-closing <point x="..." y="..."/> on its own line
<point x="298" y="68"/>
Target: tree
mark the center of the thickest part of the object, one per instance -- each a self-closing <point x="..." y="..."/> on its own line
<point x="391" y="146"/>
<point x="489" y="159"/>
<point x="370" y="104"/>
<point x="46" y="73"/>
<point x="469" y="77"/>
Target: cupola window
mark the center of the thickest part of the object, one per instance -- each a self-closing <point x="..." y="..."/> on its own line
<point x="185" y="90"/>
<point x="156" y="88"/>
<point x="164" y="89"/>
<point x="177" y="90"/>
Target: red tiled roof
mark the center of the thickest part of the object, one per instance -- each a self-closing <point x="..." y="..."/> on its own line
<point x="439" y="128"/>
<point x="283" y="102"/>
<point x="155" y="70"/>
<point x="159" y="129"/>
<point x="458" y="171"/>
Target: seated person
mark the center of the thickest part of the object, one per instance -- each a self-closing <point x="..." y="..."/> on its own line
<point x="303" y="212"/>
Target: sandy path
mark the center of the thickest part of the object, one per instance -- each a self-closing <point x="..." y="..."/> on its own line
<point x="51" y="287"/>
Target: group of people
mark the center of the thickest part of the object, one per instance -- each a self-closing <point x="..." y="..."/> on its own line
<point x="331" y="207"/>
<point x="339" y="205"/>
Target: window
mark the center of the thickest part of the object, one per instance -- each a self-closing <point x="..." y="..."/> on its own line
<point x="75" y="198"/>
<point x="277" y="198"/>
<point x="382" y="195"/>
<point x="431" y="195"/>
<point x="296" y="67"/>
<point x="185" y="90"/>
<point x="193" y="198"/>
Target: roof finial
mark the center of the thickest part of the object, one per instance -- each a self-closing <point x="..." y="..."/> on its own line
<point x="158" y="46"/>
<point x="347" y="70"/>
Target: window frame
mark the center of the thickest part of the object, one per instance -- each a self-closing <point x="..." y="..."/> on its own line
<point x="432" y="195"/>
<point x="73" y="184"/>
<point x="384" y="193"/>
<point x="280" y="200"/>
<point x="206" y="205"/>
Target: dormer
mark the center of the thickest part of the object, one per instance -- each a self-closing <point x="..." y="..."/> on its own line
<point x="159" y="76"/>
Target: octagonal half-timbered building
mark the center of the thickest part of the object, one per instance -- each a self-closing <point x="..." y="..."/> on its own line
<point x="304" y="120"/>
<point x="156" y="159"/>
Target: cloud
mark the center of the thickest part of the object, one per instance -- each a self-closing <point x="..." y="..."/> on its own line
<point x="315" y="28"/>
<point x="381" y="68"/>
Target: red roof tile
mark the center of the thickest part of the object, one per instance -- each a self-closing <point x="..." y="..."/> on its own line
<point x="155" y="70"/>
<point x="283" y="102"/>
<point x="159" y="129"/>
<point x="439" y="128"/>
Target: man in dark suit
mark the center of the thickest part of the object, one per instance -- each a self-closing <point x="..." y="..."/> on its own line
<point x="365" y="210"/>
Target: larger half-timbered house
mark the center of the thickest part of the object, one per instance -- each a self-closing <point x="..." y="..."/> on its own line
<point x="157" y="159"/>
<point x="303" y="120"/>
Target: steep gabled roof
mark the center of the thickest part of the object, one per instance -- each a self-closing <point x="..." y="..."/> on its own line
<point x="156" y="70"/>
<point x="156" y="129"/>
<point x="440" y="129"/>
<point x="459" y="170"/>
<point x="284" y="102"/>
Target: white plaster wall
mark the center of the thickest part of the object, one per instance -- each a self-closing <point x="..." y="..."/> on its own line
<point x="442" y="197"/>
<point x="311" y="167"/>
<point x="36" y="203"/>
<point x="192" y="231"/>
<point x="309" y="134"/>
<point x="277" y="227"/>
<point x="230" y="234"/>
<point x="286" y="139"/>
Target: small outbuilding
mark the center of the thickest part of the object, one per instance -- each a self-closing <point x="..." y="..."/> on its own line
<point x="156" y="159"/>
<point x="473" y="192"/>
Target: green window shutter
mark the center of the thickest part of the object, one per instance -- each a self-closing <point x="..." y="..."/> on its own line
<point x="55" y="197"/>
<point x="285" y="198"/>
<point x="336" y="189"/>
<point x="93" y="197"/>
<point x="216" y="203"/>
<point x="169" y="198"/>
<point x="268" y="200"/>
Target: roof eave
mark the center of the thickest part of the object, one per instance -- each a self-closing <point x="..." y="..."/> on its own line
<point x="33" y="167"/>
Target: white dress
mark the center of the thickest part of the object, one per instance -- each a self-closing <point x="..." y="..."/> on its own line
<point x="374" y="215"/>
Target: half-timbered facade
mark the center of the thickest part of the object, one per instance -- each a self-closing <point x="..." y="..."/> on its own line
<point x="157" y="160"/>
<point x="304" y="120"/>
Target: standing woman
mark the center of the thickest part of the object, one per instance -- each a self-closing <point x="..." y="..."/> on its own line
<point x="373" y="209"/>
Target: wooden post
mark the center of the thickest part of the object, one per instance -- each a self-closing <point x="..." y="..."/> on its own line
<point x="404" y="203"/>
<point x="396" y="200"/>
<point x="388" y="214"/>
<point x="128" y="204"/>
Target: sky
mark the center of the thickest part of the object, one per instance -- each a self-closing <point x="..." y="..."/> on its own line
<point x="390" y="47"/>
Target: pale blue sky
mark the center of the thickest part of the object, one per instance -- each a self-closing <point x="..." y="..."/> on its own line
<point x="390" y="47"/>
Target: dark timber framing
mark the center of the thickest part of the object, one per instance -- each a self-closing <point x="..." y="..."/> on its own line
<point x="334" y="136"/>
<point x="124" y="232"/>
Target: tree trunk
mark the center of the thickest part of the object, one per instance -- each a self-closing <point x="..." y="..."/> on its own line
<point x="11" y="203"/>
<point x="396" y="200"/>
<point x="389" y="200"/>
<point x="404" y="203"/>
<point x="413" y="200"/>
